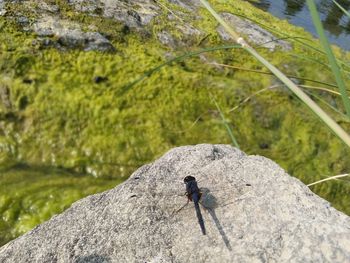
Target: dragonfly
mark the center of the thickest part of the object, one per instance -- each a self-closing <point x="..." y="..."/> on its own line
<point x="210" y="198"/>
<point x="194" y="194"/>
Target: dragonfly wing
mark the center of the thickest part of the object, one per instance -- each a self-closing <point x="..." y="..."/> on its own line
<point x="213" y="196"/>
<point x="212" y="199"/>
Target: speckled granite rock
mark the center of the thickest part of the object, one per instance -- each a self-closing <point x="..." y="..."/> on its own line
<point x="253" y="212"/>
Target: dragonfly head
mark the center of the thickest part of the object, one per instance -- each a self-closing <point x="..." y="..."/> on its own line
<point x="189" y="179"/>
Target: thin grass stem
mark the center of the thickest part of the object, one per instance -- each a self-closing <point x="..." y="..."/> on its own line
<point x="334" y="127"/>
<point x="321" y="88"/>
<point x="192" y="125"/>
<point x="269" y="73"/>
<point x="296" y="39"/>
<point x="169" y="10"/>
<point x="302" y="86"/>
<point x="345" y="117"/>
<point x="329" y="178"/>
<point x="251" y="96"/>
<point x="173" y="60"/>
<point x="312" y="60"/>
<point x="224" y="122"/>
<point x="331" y="58"/>
<point x="341" y="8"/>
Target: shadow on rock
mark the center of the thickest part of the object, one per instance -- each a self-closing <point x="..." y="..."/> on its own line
<point x="210" y="203"/>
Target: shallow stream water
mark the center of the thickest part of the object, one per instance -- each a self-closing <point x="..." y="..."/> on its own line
<point x="336" y="23"/>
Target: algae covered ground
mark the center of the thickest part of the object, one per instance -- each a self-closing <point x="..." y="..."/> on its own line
<point x="70" y="128"/>
<point x="31" y="195"/>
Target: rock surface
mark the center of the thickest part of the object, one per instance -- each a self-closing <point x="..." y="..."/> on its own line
<point x="134" y="13"/>
<point x="69" y="34"/>
<point x="254" y="33"/>
<point x="253" y="212"/>
<point x="2" y="8"/>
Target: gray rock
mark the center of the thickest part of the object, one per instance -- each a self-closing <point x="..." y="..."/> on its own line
<point x="166" y="39"/>
<point x="95" y="41"/>
<point x="139" y="13"/>
<point x="135" y="13"/>
<point x="189" y="30"/>
<point x="5" y="97"/>
<point x="2" y="8"/>
<point x="89" y="6"/>
<point x="191" y="5"/>
<point x="253" y="212"/>
<point x="49" y="8"/>
<point x="23" y="20"/>
<point x="254" y="33"/>
<point x="70" y="35"/>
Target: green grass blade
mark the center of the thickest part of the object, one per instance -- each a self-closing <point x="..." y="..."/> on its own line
<point x="328" y="105"/>
<point x="314" y="60"/>
<point x="304" y="98"/>
<point x="334" y="127"/>
<point x="227" y="126"/>
<point x="341" y="8"/>
<point x="331" y="58"/>
<point x="269" y="73"/>
<point x="342" y="115"/>
<point x="233" y="34"/>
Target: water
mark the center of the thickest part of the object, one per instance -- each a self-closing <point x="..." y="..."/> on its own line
<point x="336" y="23"/>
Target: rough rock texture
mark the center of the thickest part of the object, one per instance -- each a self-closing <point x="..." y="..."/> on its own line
<point x="190" y="5"/>
<point x="136" y="14"/>
<point x="70" y="35"/>
<point x="253" y="212"/>
<point x="2" y="8"/>
<point x="133" y="13"/>
<point x="255" y="34"/>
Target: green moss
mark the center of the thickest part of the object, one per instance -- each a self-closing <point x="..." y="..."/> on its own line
<point x="62" y="117"/>
<point x="32" y="195"/>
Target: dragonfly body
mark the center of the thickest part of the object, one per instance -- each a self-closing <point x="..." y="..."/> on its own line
<point x="193" y="194"/>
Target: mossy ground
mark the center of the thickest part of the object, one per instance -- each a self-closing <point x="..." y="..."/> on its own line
<point x="60" y="116"/>
<point x="31" y="195"/>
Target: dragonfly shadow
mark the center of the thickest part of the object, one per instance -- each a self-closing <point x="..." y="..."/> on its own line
<point x="210" y="203"/>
